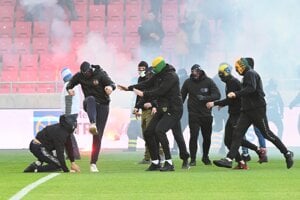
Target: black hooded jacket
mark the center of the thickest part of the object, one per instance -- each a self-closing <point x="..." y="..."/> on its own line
<point x="164" y="87"/>
<point x="93" y="86"/>
<point x="58" y="137"/>
<point x="234" y="105"/>
<point x="251" y="94"/>
<point x="205" y="87"/>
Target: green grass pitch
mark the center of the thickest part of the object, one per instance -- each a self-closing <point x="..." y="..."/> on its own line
<point x="120" y="177"/>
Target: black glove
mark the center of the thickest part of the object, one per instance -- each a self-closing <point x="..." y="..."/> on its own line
<point x="95" y="66"/>
<point x="201" y="97"/>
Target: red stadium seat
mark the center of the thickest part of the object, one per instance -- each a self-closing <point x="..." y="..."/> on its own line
<point x="133" y="12"/>
<point x="132" y="42"/>
<point x="97" y="26"/>
<point x="29" y="62"/>
<point x="97" y="13"/>
<point x="40" y="45"/>
<point x="22" y="45"/>
<point x="133" y="2"/>
<point x="115" y="12"/>
<point x="132" y="45"/>
<point x="131" y="27"/>
<point x="45" y="62"/>
<point x="84" y="2"/>
<point x="41" y="29"/>
<point x="115" y="42"/>
<point x="47" y="75"/>
<point x="9" y="75"/>
<point x="6" y="29"/>
<point x="116" y="2"/>
<point x="20" y="14"/>
<point x="5" y="88"/>
<point x="28" y="75"/>
<point x="77" y="42"/>
<point x="23" y="29"/>
<point x="82" y="13"/>
<point x="10" y="62"/>
<point x="8" y="2"/>
<point x="5" y="45"/>
<point x="169" y="12"/>
<point x="79" y="28"/>
<point x="114" y="28"/>
<point x="7" y="13"/>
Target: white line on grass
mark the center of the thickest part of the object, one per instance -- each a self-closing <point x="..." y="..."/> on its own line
<point x="31" y="186"/>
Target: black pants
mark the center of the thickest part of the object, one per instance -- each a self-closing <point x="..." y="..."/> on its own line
<point x="195" y="123"/>
<point x="156" y="133"/>
<point x="229" y="128"/>
<point x="178" y="136"/>
<point x="98" y="114"/>
<point x="44" y="156"/>
<point x="259" y="119"/>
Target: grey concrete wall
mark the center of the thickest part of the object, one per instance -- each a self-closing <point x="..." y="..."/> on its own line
<point x="23" y="101"/>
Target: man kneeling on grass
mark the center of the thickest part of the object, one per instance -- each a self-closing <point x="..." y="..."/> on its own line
<point x="54" y="137"/>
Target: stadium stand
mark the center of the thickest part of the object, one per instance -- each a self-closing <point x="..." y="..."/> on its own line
<point x="27" y="48"/>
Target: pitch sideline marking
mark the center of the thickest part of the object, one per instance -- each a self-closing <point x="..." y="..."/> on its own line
<point x="31" y="186"/>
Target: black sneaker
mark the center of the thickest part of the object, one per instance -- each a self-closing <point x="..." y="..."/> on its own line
<point x="31" y="168"/>
<point x="206" y="161"/>
<point x="153" y="167"/>
<point x="167" y="167"/>
<point x="193" y="163"/>
<point x="246" y="158"/>
<point x="185" y="164"/>
<point x="223" y="163"/>
<point x="289" y="159"/>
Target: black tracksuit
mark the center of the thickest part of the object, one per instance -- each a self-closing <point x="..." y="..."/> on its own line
<point x="199" y="115"/>
<point x="234" y="107"/>
<point x="96" y="102"/>
<point x="165" y="89"/>
<point x="54" y="137"/>
<point x="253" y="111"/>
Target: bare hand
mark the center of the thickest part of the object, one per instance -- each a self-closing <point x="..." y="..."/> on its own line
<point x="231" y="95"/>
<point x="153" y="111"/>
<point x="75" y="167"/>
<point x="136" y="113"/>
<point x="209" y="105"/>
<point x="71" y="92"/>
<point x="138" y="92"/>
<point x="108" y="89"/>
<point x="123" y="88"/>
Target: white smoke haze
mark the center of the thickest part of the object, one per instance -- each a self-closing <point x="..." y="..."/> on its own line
<point x="119" y="67"/>
<point x="267" y="30"/>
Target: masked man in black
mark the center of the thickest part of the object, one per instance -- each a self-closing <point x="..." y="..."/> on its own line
<point x="54" y="137"/>
<point x="253" y="111"/>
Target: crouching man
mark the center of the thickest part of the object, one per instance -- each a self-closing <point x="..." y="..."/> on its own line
<point x="54" y="137"/>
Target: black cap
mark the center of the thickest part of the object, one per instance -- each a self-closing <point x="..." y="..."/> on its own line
<point x="85" y="66"/>
<point x="143" y="64"/>
<point x="196" y="67"/>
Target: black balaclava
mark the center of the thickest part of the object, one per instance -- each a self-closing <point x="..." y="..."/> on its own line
<point x="86" y="69"/>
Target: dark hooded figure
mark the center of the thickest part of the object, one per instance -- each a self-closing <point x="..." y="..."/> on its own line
<point x="164" y="87"/>
<point x="200" y="89"/>
<point x="253" y="111"/>
<point x="54" y="137"/>
<point x="96" y="86"/>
